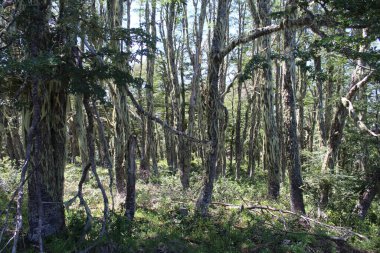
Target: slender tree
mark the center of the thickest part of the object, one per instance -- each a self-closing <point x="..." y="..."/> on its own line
<point x="215" y="61"/>
<point x="290" y="123"/>
<point x="272" y="152"/>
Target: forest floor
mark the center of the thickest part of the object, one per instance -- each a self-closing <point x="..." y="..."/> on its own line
<point x="165" y="222"/>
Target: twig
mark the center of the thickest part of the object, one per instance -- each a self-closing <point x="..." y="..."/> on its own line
<point x="238" y="75"/>
<point x="2" y="250"/>
<point x="293" y="213"/>
<point x="82" y="200"/>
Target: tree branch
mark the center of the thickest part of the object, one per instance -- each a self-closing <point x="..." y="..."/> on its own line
<point x="355" y="87"/>
<point x="238" y="75"/>
<point x="259" y="32"/>
<point x="164" y="124"/>
<point x="82" y="200"/>
<point x="304" y="217"/>
<point x="141" y="110"/>
<point x="91" y="149"/>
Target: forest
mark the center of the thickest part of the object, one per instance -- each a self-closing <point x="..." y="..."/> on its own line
<point x="189" y="126"/>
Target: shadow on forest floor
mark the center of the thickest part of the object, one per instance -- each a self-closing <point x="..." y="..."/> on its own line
<point x="165" y="223"/>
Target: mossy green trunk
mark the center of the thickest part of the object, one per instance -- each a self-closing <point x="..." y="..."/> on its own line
<point x="49" y="100"/>
<point x="50" y="164"/>
<point x="272" y="151"/>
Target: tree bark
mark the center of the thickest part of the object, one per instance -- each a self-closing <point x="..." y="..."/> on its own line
<point x="238" y="137"/>
<point x="272" y="151"/>
<point x="173" y="77"/>
<point x="280" y="116"/>
<point x="215" y="61"/>
<point x="301" y="96"/>
<point x="45" y="185"/>
<point x="121" y="121"/>
<point x="49" y="164"/>
<point x="149" y="148"/>
<point x="170" y="147"/>
<point x="366" y="198"/>
<point x="253" y="149"/>
<point x="81" y="131"/>
<point x="91" y="153"/>
<point x="130" y="202"/>
<point x="290" y="122"/>
<point x="321" y="107"/>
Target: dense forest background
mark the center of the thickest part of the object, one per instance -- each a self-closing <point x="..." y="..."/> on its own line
<point x="189" y="126"/>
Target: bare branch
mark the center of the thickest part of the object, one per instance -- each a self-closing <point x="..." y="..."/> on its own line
<point x="356" y="86"/>
<point x="238" y="75"/>
<point x="304" y="217"/>
<point x="105" y="149"/>
<point x="164" y="124"/>
<point x="259" y="32"/>
<point x="141" y="110"/>
<point x="82" y="200"/>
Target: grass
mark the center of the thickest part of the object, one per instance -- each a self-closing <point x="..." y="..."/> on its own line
<point x="165" y="222"/>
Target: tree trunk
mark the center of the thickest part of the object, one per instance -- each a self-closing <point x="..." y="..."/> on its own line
<point x="329" y="99"/>
<point x="170" y="145"/>
<point x="173" y="77"/>
<point x="221" y="168"/>
<point x="49" y="164"/>
<point x="11" y="151"/>
<point x="120" y="111"/>
<point x="16" y="139"/>
<point x="215" y="61"/>
<point x="253" y="150"/>
<point x="45" y="184"/>
<point x="301" y="96"/>
<point x="196" y="60"/>
<point x="232" y="136"/>
<point x="130" y="202"/>
<point x="150" y="150"/>
<point x="321" y="107"/>
<point x="280" y="116"/>
<point x="272" y="151"/>
<point x="2" y="131"/>
<point x="238" y="138"/>
<point x="72" y="135"/>
<point x="81" y="131"/>
<point x="366" y="198"/>
<point x="290" y="123"/>
<point x="91" y="154"/>
<point x="120" y="118"/>
<point x="338" y="123"/>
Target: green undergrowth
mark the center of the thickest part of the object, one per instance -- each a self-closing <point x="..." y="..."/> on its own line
<point x="165" y="220"/>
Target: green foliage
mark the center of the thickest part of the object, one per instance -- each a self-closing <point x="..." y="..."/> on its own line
<point x="257" y="62"/>
<point x="56" y="60"/>
<point x="9" y="176"/>
<point x="164" y="220"/>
